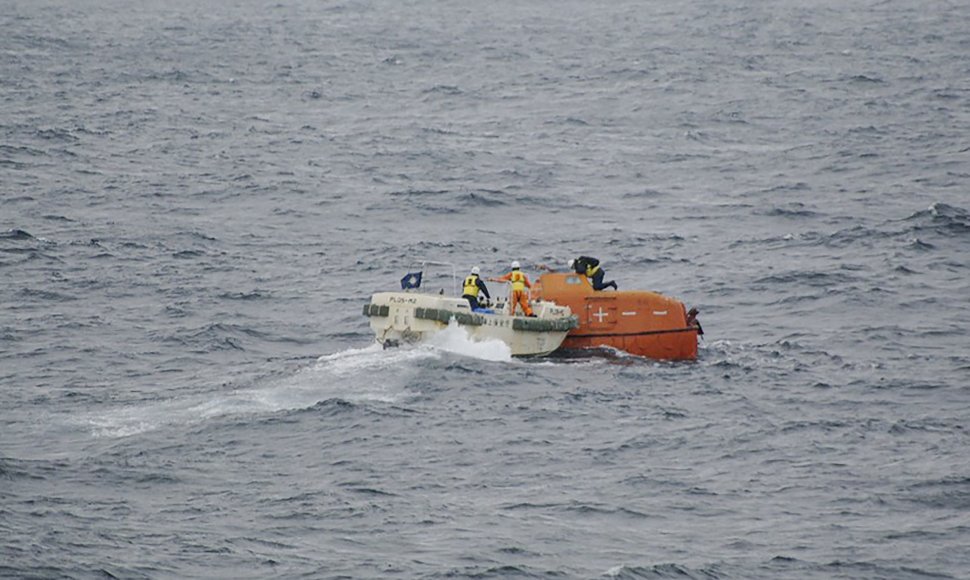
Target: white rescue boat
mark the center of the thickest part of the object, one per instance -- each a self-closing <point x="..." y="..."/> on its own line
<point x="414" y="315"/>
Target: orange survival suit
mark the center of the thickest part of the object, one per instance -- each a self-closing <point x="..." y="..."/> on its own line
<point x="519" y="296"/>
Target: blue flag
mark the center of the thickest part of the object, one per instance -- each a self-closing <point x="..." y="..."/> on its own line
<point x="412" y="280"/>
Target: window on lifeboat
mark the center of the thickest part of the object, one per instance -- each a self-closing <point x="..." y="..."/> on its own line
<point x="572" y="280"/>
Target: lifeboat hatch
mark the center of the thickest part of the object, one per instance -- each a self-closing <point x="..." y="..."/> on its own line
<point x="601" y="313"/>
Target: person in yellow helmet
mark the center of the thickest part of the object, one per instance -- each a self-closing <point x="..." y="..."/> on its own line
<point x="519" y="283"/>
<point x="473" y="284"/>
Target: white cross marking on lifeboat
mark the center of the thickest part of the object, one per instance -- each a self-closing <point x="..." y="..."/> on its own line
<point x="601" y="315"/>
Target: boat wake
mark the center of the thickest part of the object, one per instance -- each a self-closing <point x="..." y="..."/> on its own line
<point x="356" y="375"/>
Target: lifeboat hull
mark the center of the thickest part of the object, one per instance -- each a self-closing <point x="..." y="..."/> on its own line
<point x="638" y="322"/>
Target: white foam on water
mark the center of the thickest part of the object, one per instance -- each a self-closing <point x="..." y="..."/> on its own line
<point x="357" y="374"/>
<point x="355" y="360"/>
<point x="455" y="339"/>
<point x="363" y="374"/>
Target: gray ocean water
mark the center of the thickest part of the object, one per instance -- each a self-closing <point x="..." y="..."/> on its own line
<point x="196" y="199"/>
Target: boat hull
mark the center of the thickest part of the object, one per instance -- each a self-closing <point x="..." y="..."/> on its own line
<point x="397" y="317"/>
<point x="638" y="322"/>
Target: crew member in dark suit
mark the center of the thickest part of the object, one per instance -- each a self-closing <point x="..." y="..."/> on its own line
<point x="590" y="267"/>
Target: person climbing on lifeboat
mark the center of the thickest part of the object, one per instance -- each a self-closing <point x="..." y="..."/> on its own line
<point x="590" y="267"/>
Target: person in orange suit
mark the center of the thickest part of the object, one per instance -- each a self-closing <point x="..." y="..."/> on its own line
<point x="519" y="283"/>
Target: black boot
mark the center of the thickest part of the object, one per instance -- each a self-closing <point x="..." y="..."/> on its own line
<point x="613" y="284"/>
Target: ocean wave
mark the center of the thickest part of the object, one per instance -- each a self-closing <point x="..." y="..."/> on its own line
<point x="58" y="218"/>
<point x="941" y="218"/>
<point x="794" y="211"/>
<point x="808" y="278"/>
<point x="861" y="78"/>
<point x="938" y="219"/>
<point x="331" y="408"/>
<point x="15" y="165"/>
<point x="62" y="135"/>
<point x="484" y="571"/>
<point x="46" y="295"/>
<point x="866" y="570"/>
<point x="22" y="149"/>
<point x="188" y="254"/>
<point x="212" y="337"/>
<point x="420" y="193"/>
<point x="948" y="493"/>
<point x="15" y="234"/>
<point x="920" y="245"/>
<point x="31" y="470"/>
<point x="666" y="571"/>
<point x="645" y="193"/>
<point x="785" y="358"/>
<point x="251" y="295"/>
<point x="450" y="90"/>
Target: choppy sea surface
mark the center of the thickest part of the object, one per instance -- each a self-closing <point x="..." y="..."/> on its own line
<point x="197" y="198"/>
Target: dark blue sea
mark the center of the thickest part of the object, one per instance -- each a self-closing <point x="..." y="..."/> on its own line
<point x="198" y="197"/>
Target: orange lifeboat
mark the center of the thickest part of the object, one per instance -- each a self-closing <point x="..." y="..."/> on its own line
<point x="638" y="322"/>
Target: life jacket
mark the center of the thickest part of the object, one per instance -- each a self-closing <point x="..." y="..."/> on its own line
<point x="518" y="281"/>
<point x="591" y="271"/>
<point x="471" y="286"/>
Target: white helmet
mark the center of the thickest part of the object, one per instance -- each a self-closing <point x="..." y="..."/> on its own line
<point x="515" y="264"/>
<point x="475" y="270"/>
<point x="570" y="263"/>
